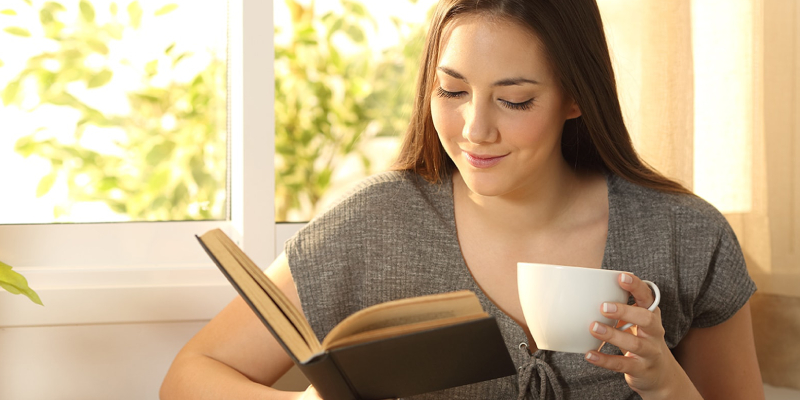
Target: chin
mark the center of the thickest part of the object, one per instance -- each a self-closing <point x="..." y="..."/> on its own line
<point x="485" y="184"/>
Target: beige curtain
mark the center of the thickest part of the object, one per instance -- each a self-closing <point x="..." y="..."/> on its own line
<point x="709" y="91"/>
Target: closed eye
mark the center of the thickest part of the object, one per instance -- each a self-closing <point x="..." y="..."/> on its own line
<point x="525" y="105"/>
<point x="448" y="95"/>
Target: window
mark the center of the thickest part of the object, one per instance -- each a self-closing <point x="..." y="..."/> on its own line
<point x="111" y="112"/>
<point x="135" y="271"/>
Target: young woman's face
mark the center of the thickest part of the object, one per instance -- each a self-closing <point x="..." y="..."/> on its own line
<point x="497" y="106"/>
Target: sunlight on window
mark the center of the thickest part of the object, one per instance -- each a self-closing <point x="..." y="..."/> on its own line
<point x="112" y="110"/>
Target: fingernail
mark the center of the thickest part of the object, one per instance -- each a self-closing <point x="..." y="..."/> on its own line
<point x="600" y="329"/>
<point x="609" y="308"/>
<point x="626" y="278"/>
<point x="592" y="357"/>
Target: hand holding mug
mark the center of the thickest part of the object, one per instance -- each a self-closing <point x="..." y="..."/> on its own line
<point x="647" y="362"/>
<point x="559" y="302"/>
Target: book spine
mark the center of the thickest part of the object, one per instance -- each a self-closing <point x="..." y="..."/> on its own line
<point x="327" y="379"/>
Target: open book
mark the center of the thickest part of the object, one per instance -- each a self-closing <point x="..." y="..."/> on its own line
<point x="394" y="349"/>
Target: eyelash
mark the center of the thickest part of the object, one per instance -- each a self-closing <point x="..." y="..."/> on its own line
<point x="525" y="105"/>
<point x="448" y="95"/>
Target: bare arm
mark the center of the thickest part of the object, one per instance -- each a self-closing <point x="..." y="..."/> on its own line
<point x="234" y="356"/>
<point x="721" y="360"/>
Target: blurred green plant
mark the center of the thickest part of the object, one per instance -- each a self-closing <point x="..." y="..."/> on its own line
<point x="171" y="164"/>
<point x="333" y="92"/>
<point x="15" y="283"/>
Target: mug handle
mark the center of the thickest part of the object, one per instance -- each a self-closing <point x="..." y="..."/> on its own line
<point x="652" y="306"/>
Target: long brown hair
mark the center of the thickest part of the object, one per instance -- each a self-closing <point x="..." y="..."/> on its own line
<point x="572" y="34"/>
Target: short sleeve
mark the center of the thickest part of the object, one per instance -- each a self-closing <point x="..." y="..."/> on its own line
<point x="727" y="286"/>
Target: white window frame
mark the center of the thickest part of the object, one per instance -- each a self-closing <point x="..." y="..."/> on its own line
<point x="156" y="271"/>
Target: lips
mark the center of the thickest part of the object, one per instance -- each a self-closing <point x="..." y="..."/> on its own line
<point x="483" y="161"/>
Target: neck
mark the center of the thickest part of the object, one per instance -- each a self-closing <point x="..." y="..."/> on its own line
<point x="547" y="202"/>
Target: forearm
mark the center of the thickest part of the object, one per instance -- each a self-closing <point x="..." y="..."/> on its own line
<point x="198" y="377"/>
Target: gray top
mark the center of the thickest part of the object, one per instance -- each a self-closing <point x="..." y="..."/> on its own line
<point x="395" y="237"/>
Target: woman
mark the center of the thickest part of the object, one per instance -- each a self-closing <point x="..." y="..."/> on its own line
<point x="516" y="151"/>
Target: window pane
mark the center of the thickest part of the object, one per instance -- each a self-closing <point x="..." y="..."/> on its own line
<point x="344" y="82"/>
<point x="113" y="110"/>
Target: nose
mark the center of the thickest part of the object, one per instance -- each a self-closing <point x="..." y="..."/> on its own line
<point x="479" y="124"/>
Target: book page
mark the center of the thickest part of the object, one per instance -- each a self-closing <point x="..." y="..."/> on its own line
<point x="407" y="312"/>
<point x="392" y="331"/>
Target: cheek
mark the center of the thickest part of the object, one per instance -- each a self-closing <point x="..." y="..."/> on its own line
<point x="445" y="119"/>
<point x="530" y="129"/>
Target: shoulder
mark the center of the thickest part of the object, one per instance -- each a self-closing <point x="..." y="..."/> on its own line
<point x="383" y="186"/>
<point x="656" y="210"/>
<point x="392" y="194"/>
<point x="381" y="206"/>
<point x="686" y="245"/>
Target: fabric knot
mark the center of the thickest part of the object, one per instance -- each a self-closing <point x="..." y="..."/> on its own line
<point x="536" y="383"/>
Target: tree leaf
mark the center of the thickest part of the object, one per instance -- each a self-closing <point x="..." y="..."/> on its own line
<point x="87" y="11"/>
<point x="97" y="46"/>
<point x="46" y="16"/>
<point x="151" y="68"/>
<point x="107" y="183"/>
<point x="166" y="9"/>
<point x="17" y="31"/>
<point x="355" y="32"/>
<point x="16" y="284"/>
<point x="158" y="181"/>
<point x="46" y="183"/>
<point x="114" y="9"/>
<point x="135" y="14"/>
<point x="160" y="152"/>
<point x="8" y="12"/>
<point x="54" y="7"/>
<point x="10" y="92"/>
<point x="66" y="99"/>
<point x="26" y="146"/>
<point x="356" y="8"/>
<point x="180" y="57"/>
<point x="99" y="79"/>
<point x="53" y="29"/>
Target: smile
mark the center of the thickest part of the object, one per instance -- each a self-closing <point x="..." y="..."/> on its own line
<point x="482" y="161"/>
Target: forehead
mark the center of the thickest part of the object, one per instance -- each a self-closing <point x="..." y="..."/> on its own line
<point x="492" y="44"/>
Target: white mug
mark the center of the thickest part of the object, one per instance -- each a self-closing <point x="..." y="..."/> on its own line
<point x="560" y="303"/>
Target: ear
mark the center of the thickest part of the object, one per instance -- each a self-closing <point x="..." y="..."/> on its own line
<point x="573" y="111"/>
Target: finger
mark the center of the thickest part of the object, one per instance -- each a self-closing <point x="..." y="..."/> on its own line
<point x="641" y="291"/>
<point x="647" y="321"/>
<point x="623" y="340"/>
<point x="628" y="364"/>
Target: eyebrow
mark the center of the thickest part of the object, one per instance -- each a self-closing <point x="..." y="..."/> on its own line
<point x="502" y="82"/>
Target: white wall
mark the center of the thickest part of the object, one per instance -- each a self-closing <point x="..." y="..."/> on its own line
<point x="114" y="361"/>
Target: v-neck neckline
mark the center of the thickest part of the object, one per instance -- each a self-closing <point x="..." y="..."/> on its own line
<point x="505" y="319"/>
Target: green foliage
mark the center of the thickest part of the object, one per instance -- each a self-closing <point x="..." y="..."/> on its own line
<point x="15" y="30"/>
<point x="171" y="164"/>
<point x="135" y="14"/>
<point x="15" y="283"/>
<point x="166" y="9"/>
<point x="328" y="100"/>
